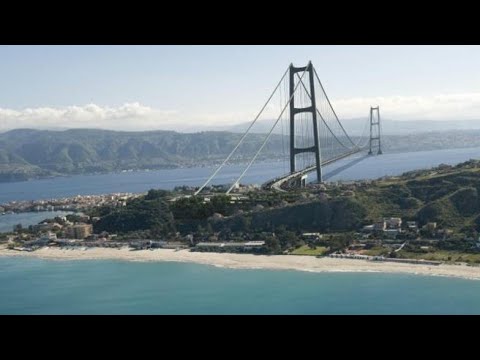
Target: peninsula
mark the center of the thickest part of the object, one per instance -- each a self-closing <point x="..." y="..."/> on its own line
<point x="423" y="222"/>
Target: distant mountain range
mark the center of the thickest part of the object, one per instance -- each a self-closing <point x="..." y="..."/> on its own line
<point x="27" y="153"/>
<point x="354" y="127"/>
<point x="357" y="126"/>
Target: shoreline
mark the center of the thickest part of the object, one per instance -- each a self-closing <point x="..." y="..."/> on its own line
<point x="250" y="261"/>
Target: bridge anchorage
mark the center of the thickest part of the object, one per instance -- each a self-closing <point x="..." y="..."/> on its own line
<point x="316" y="137"/>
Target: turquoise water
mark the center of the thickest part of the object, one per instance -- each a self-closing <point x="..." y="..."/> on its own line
<point x="35" y="286"/>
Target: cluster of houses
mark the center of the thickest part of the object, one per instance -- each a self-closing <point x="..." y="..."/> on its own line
<point x="69" y="230"/>
<point x="75" y="203"/>
<point x="390" y="227"/>
<point x="62" y="230"/>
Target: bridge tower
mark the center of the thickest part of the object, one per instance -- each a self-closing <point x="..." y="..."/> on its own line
<point x="309" y="109"/>
<point x="375" y="138"/>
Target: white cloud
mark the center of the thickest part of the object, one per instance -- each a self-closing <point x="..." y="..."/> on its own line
<point x="130" y="116"/>
<point x="437" y="107"/>
<point x="135" y="116"/>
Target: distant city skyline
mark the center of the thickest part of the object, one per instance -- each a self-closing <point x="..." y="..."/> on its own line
<point x="189" y="87"/>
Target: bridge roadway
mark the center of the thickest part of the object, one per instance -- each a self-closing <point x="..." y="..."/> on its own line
<point x="276" y="184"/>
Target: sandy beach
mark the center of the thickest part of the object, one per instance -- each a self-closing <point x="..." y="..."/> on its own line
<point x="246" y="261"/>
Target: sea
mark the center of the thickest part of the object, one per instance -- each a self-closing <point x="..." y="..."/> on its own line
<point x="37" y="286"/>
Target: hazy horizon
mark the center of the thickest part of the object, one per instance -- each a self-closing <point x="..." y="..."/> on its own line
<point x="354" y="127"/>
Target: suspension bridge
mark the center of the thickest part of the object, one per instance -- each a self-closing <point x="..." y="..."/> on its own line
<point x="311" y="132"/>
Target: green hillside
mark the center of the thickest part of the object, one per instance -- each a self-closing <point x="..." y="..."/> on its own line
<point x="28" y="154"/>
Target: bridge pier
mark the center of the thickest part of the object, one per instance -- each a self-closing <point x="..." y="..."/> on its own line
<point x="375" y="131"/>
<point x="310" y="109"/>
<point x="335" y="140"/>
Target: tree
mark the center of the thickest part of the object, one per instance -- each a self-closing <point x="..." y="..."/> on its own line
<point x="221" y="204"/>
<point x="156" y="194"/>
<point x="209" y="228"/>
<point x="287" y="239"/>
<point x="347" y="214"/>
<point x="139" y="214"/>
<point x="272" y="245"/>
<point x="59" y="220"/>
<point x="245" y="223"/>
<point x="73" y="218"/>
<point x="200" y="230"/>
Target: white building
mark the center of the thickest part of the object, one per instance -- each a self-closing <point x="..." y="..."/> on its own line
<point x="393" y="222"/>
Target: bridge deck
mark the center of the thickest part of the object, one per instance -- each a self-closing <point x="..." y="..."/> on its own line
<point x="276" y="184"/>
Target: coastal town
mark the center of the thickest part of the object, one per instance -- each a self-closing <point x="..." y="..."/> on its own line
<point x="76" y="203"/>
<point x="240" y="223"/>
<point x="76" y="231"/>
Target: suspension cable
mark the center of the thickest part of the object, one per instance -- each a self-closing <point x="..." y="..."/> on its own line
<point x="321" y="116"/>
<point x="242" y="138"/>
<point x="363" y="135"/>
<point x="331" y="107"/>
<point x="267" y="137"/>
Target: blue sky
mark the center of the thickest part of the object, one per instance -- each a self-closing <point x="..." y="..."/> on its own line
<point x="42" y="85"/>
